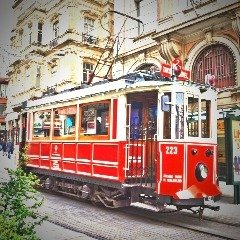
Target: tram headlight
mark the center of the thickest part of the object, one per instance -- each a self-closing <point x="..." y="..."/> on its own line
<point x="209" y="152"/>
<point x="194" y="151"/>
<point x="201" y="172"/>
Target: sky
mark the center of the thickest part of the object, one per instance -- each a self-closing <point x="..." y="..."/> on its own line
<point x="6" y="25"/>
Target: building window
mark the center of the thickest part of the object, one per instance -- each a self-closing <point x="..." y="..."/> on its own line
<point x="137" y="4"/>
<point x="38" y="78"/>
<point x="30" y="36"/>
<point x="218" y="61"/>
<point x="3" y="90"/>
<point x="40" y="25"/>
<point x="54" y="66"/>
<point x="2" y="109"/>
<point x="18" y="77"/>
<point x="20" y="38"/>
<point x="88" y="25"/>
<point x="88" y="31"/>
<point x="56" y="29"/>
<point x="138" y="8"/>
<point x="87" y="68"/>
<point x="197" y="3"/>
<point x="27" y="73"/>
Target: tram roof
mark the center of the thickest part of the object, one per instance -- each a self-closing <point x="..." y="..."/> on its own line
<point x="103" y="87"/>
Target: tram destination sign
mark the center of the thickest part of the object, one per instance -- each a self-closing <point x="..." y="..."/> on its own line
<point x="175" y="69"/>
<point x="232" y="126"/>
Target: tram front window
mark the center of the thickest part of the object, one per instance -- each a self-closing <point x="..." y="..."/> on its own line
<point x="205" y="118"/>
<point x="179" y="115"/>
<point x="193" y="117"/>
<point x="166" y="107"/>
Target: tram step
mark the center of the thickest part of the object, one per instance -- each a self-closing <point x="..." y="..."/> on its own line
<point x="145" y="206"/>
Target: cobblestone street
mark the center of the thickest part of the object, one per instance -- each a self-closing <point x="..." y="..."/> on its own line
<point x="89" y="222"/>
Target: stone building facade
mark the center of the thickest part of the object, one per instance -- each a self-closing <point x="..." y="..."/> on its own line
<point x="204" y="34"/>
<point x="58" y="42"/>
<point x="3" y="102"/>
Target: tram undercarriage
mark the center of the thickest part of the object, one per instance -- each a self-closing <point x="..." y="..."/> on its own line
<point x="115" y="195"/>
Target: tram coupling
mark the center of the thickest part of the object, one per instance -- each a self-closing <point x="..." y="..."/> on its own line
<point x="214" y="208"/>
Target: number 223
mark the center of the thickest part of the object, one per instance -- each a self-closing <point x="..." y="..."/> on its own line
<point x="171" y="150"/>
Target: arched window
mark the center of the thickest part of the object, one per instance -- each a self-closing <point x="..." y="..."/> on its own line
<point x="149" y="67"/>
<point x="216" y="60"/>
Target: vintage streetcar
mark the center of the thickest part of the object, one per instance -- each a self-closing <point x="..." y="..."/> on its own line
<point x="139" y="139"/>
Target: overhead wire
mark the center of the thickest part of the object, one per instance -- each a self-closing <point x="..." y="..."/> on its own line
<point x="116" y="38"/>
<point x="127" y="13"/>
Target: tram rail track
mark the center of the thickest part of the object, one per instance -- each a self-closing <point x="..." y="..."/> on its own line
<point x="187" y="221"/>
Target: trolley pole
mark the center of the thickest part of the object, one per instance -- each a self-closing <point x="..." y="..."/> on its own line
<point x="236" y="194"/>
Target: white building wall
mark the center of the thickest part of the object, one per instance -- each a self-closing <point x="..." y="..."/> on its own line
<point x="61" y="63"/>
<point x="134" y="34"/>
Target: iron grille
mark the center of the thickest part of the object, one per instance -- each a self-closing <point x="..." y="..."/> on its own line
<point x="216" y="60"/>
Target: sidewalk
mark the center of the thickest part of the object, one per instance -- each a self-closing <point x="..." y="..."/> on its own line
<point x="227" y="190"/>
<point x="228" y="212"/>
<point x="48" y="230"/>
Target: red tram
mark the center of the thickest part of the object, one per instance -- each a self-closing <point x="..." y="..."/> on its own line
<point x="137" y="139"/>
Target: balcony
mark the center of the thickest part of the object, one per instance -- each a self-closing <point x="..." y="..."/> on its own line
<point x="54" y="42"/>
<point x="86" y="38"/>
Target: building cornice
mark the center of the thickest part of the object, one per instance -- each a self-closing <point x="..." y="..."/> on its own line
<point x="16" y="3"/>
<point x="203" y="18"/>
<point x="4" y="80"/>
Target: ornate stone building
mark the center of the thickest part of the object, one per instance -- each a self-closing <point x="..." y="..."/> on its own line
<point x="56" y="44"/>
<point x="3" y="103"/>
<point x="204" y="34"/>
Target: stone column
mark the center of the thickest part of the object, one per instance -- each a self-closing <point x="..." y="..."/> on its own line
<point x="236" y="24"/>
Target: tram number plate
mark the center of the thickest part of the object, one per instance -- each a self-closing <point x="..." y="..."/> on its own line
<point x="171" y="150"/>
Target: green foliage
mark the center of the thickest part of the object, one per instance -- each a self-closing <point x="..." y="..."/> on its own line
<point x="19" y="201"/>
<point x="23" y="158"/>
<point x="8" y="229"/>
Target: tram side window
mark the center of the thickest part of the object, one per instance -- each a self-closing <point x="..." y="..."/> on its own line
<point x="193" y="117"/>
<point x="41" y="124"/>
<point x="166" y="107"/>
<point x="64" y="121"/>
<point x="205" y="118"/>
<point x="95" y="119"/>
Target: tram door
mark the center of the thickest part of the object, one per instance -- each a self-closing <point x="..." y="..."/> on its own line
<point x="142" y="129"/>
<point x="24" y="131"/>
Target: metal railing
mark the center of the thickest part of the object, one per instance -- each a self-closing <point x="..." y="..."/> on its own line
<point x="86" y="38"/>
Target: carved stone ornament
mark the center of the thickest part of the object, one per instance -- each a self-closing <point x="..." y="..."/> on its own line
<point x="236" y="23"/>
<point x="30" y="24"/>
<point x="20" y="31"/>
<point x="169" y="50"/>
<point x="208" y="37"/>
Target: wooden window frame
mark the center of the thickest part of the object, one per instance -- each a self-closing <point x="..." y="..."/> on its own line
<point x="94" y="136"/>
<point x="64" y="137"/>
